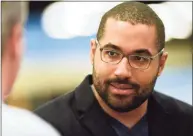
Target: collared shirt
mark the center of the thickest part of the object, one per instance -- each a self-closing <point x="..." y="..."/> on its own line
<point x="140" y="129"/>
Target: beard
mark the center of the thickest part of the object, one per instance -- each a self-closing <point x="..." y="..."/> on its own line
<point x="122" y="103"/>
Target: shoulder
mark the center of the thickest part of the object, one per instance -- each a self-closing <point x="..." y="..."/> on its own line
<point x="54" y="106"/>
<point x="59" y="113"/>
<point x="23" y="122"/>
<point x="57" y="109"/>
<point x="173" y="105"/>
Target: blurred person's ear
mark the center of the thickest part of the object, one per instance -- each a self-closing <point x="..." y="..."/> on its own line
<point x="162" y="62"/>
<point x="11" y="60"/>
<point x="93" y="47"/>
<point x="16" y="41"/>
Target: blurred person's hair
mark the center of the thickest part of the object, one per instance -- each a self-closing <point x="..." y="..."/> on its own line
<point x="13" y="12"/>
<point x="135" y="13"/>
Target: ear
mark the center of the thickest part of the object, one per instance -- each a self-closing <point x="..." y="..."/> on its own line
<point x="162" y="62"/>
<point x="93" y="47"/>
<point x="16" y="41"/>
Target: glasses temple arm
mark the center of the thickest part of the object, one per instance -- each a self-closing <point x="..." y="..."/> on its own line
<point x="157" y="54"/>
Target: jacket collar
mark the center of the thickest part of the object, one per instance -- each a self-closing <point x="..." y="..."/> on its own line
<point x="89" y="112"/>
<point x="158" y="116"/>
<point x="84" y="95"/>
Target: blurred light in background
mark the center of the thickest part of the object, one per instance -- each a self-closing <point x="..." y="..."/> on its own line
<point x="177" y="18"/>
<point x="70" y="19"/>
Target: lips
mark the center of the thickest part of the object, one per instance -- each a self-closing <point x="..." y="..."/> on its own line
<point x="121" y="89"/>
<point x="122" y="86"/>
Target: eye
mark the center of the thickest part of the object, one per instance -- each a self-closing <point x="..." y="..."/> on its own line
<point x="112" y="53"/>
<point x="140" y="58"/>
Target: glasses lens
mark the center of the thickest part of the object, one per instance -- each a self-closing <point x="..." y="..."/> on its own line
<point x="110" y="56"/>
<point x="139" y="61"/>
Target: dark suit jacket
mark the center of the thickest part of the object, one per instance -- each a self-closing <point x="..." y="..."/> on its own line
<point x="79" y="114"/>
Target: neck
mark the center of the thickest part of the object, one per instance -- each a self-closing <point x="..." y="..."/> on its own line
<point x="130" y="118"/>
<point x="8" y="76"/>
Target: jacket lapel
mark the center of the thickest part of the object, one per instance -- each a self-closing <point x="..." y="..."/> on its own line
<point x="96" y="122"/>
<point x="158" y="118"/>
<point x="88" y="111"/>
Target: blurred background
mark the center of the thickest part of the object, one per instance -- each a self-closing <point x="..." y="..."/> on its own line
<point x="57" y="53"/>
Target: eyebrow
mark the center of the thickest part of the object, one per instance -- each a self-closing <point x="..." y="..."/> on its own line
<point x="110" y="45"/>
<point x="142" y="51"/>
<point x="138" y="51"/>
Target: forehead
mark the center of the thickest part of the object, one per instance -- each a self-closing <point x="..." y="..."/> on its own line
<point x="129" y="37"/>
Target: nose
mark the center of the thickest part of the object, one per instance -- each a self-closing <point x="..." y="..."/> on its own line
<point x="123" y="69"/>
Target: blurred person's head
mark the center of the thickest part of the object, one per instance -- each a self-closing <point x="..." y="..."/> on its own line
<point x="124" y="69"/>
<point x="14" y="15"/>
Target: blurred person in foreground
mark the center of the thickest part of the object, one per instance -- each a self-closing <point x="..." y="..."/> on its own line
<point x="119" y="99"/>
<point x="15" y="121"/>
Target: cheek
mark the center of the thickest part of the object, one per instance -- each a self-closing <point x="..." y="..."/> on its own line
<point x="102" y="69"/>
<point x="146" y="77"/>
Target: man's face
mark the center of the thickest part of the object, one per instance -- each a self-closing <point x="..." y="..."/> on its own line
<point x="122" y="87"/>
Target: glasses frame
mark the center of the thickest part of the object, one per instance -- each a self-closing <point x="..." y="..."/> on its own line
<point x="127" y="56"/>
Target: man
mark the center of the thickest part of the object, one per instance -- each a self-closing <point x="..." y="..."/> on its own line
<point x="16" y="122"/>
<point x="119" y="98"/>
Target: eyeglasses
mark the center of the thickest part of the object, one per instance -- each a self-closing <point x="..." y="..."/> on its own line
<point x="114" y="56"/>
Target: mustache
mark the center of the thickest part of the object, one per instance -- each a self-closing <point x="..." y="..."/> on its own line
<point x="123" y="81"/>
